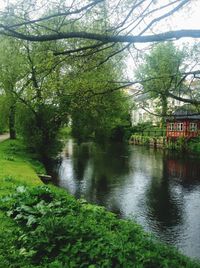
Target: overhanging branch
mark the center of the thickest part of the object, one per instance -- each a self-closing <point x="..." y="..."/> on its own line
<point x="171" y="35"/>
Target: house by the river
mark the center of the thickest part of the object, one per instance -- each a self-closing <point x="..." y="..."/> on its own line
<point x="183" y="124"/>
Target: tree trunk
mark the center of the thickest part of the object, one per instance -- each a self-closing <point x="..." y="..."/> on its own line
<point x="12" y="122"/>
<point x="164" y="109"/>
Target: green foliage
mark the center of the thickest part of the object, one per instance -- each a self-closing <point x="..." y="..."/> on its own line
<point x="194" y="145"/>
<point x="13" y="154"/>
<point x="161" y="69"/>
<point x="96" y="110"/>
<point x="58" y="231"/>
<point x="179" y="144"/>
<point x="65" y="132"/>
<point x="41" y="136"/>
<point x="147" y="129"/>
<point x="45" y="91"/>
<point x="12" y="65"/>
<point x="141" y="140"/>
<point x="4" y="112"/>
<point x="13" y="174"/>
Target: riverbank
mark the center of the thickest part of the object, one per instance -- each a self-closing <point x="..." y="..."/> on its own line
<point x="43" y="226"/>
<point x="192" y="146"/>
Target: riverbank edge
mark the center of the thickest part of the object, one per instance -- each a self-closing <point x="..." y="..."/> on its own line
<point x="87" y="235"/>
<point x="192" y="146"/>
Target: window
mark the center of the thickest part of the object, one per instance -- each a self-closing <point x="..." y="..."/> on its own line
<point x="180" y="126"/>
<point x="171" y="126"/>
<point x="193" y="126"/>
<point x="140" y="117"/>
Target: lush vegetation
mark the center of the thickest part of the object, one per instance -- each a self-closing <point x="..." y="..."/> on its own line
<point x="163" y="61"/>
<point x="148" y="129"/>
<point x="43" y="226"/>
<point x="17" y="168"/>
<point x="194" y="145"/>
<point x="41" y="96"/>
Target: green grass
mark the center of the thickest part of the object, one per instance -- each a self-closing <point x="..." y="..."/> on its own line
<point x="43" y="226"/>
<point x="15" y="169"/>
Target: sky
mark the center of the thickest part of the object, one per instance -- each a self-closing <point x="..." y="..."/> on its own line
<point x="189" y="19"/>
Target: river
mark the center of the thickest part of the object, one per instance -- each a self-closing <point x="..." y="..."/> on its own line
<point x="158" y="189"/>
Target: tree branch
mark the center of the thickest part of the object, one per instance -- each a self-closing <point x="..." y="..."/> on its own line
<point x="71" y="51"/>
<point x="191" y="101"/>
<point x="60" y="14"/>
<point x="171" y="35"/>
<point x="171" y="12"/>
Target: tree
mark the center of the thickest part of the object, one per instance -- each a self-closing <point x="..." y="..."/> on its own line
<point x="164" y="62"/>
<point x="96" y="109"/>
<point x="4" y="112"/>
<point x="44" y="107"/>
<point x="99" y="115"/>
<point x="12" y="71"/>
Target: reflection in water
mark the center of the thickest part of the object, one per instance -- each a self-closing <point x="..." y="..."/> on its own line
<point x="158" y="189"/>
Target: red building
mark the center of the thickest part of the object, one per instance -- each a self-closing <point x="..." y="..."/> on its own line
<point x="183" y="124"/>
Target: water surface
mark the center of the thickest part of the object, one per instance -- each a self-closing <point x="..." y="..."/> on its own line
<point x="158" y="189"/>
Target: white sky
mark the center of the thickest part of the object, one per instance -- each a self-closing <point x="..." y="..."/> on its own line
<point x="189" y="18"/>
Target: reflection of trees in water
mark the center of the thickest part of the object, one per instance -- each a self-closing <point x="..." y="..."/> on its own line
<point x="80" y="159"/>
<point x="108" y="165"/>
<point x="164" y="208"/>
<point x="165" y="205"/>
<point x="185" y="170"/>
<point x="98" y="170"/>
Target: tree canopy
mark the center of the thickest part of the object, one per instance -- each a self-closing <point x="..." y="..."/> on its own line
<point x="164" y="61"/>
<point x="129" y="21"/>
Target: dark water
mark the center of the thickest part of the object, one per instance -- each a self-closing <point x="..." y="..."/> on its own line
<point x="160" y="190"/>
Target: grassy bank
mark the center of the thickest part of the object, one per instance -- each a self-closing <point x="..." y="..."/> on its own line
<point x="43" y="226"/>
<point x="16" y="169"/>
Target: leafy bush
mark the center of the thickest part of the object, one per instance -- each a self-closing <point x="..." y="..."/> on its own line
<point x="58" y="231"/>
<point x="148" y="129"/>
<point x="41" y="132"/>
<point x="194" y="145"/>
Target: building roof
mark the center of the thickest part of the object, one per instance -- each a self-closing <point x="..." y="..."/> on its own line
<point x="182" y="113"/>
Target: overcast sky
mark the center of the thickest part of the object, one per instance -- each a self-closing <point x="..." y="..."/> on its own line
<point x="189" y="18"/>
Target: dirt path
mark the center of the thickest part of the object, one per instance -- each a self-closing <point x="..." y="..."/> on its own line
<point x="4" y="137"/>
